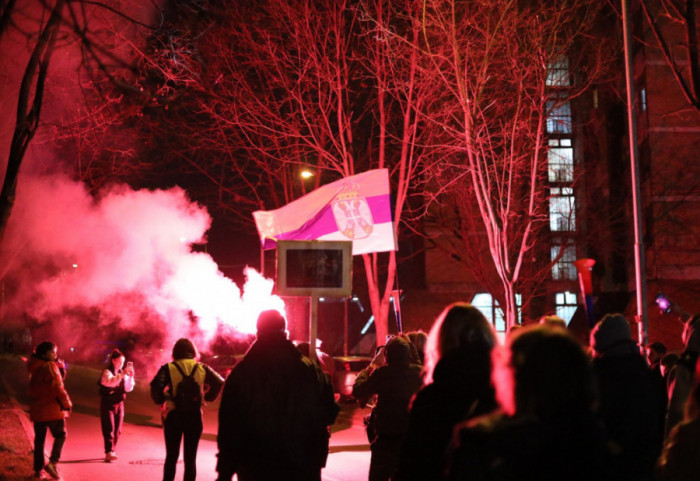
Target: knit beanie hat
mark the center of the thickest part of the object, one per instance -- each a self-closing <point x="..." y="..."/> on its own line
<point x="610" y="331"/>
<point x="398" y="351"/>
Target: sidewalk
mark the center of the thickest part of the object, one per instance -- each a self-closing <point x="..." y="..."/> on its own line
<point x="15" y="444"/>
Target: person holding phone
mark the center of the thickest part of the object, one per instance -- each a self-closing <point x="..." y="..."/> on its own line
<point x="116" y="380"/>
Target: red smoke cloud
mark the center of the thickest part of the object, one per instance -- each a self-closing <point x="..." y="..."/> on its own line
<point x="121" y="261"/>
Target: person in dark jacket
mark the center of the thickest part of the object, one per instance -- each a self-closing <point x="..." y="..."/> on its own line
<point x="114" y="383"/>
<point x="459" y="350"/>
<point x="547" y="428"/>
<point x="395" y="384"/>
<point x="49" y="405"/>
<point x="180" y="423"/>
<point x="680" y="458"/>
<point x="275" y="411"/>
<point x="682" y="375"/>
<point x="632" y="398"/>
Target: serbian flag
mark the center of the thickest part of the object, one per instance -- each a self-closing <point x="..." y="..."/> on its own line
<point x="356" y="208"/>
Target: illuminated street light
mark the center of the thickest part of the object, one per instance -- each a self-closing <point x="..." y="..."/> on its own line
<point x="306" y="174"/>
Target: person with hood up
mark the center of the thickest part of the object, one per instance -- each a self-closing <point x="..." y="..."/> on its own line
<point x="632" y="401"/>
<point x="49" y="404"/>
<point x="395" y="384"/>
<point x="682" y="375"/>
<point x="275" y="411"/>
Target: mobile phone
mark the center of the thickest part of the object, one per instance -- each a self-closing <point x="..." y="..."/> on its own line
<point x="663" y="302"/>
<point x="129" y="366"/>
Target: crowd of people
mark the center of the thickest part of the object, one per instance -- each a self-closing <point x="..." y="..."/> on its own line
<point x="449" y="405"/>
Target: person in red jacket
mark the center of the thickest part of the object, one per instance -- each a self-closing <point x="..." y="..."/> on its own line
<point x="48" y="406"/>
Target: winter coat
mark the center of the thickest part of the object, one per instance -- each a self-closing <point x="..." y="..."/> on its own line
<point x="498" y="448"/>
<point x="274" y="414"/>
<point x="680" y="382"/>
<point x="680" y="459"/>
<point x="113" y="387"/>
<point x="395" y="386"/>
<point x="164" y="384"/>
<point x="632" y="405"/>
<point x="461" y="389"/>
<point x="48" y="399"/>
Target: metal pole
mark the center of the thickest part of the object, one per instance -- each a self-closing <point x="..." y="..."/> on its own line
<point x="313" y="326"/>
<point x="345" y="328"/>
<point x="639" y="262"/>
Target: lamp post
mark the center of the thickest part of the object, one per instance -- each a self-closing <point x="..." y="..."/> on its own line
<point x="639" y="262"/>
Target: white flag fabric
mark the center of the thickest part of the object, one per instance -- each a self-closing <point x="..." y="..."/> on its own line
<point x="355" y="208"/>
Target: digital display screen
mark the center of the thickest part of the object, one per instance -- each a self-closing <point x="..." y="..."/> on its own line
<point x="314" y="268"/>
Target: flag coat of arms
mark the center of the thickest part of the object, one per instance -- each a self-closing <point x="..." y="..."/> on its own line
<point x="355" y="208"/>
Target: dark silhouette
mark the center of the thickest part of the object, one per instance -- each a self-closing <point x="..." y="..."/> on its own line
<point x="632" y="398"/>
<point x="459" y="350"/>
<point x="178" y="423"/>
<point x="114" y="383"/>
<point x="275" y="411"/>
<point x="394" y="384"/>
<point x="680" y="456"/>
<point x="682" y="376"/>
<point x="48" y="405"/>
<point x="548" y="429"/>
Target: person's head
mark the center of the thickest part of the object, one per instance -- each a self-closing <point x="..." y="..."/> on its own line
<point x="116" y="361"/>
<point x="691" y="334"/>
<point x="460" y="325"/>
<point x="271" y="323"/>
<point x="418" y="339"/>
<point x="398" y="351"/>
<point x="667" y="363"/>
<point x="185" y="349"/>
<point x="655" y="351"/>
<point x="553" y="321"/>
<point x="47" y="350"/>
<point x="610" y="332"/>
<point x="544" y="373"/>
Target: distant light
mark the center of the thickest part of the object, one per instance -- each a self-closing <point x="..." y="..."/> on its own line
<point x="354" y="298"/>
<point x="369" y="323"/>
<point x="183" y="239"/>
<point x="75" y="266"/>
<point x="306" y="174"/>
<point x="321" y="299"/>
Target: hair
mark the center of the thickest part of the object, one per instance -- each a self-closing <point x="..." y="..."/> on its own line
<point x="185" y="349"/>
<point x="459" y="325"/>
<point x="544" y="372"/>
<point x="42" y="349"/>
<point x="553" y="320"/>
<point x="418" y="340"/>
<point x="115" y="354"/>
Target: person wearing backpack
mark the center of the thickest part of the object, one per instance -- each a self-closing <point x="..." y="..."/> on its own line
<point x="114" y="383"/>
<point x="179" y="388"/>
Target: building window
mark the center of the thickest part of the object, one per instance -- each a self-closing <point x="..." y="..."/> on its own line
<point x="559" y="114"/>
<point x="565" y="305"/>
<point x="562" y="209"/>
<point x="563" y="257"/>
<point x="558" y="73"/>
<point x="491" y="310"/>
<point x="560" y="161"/>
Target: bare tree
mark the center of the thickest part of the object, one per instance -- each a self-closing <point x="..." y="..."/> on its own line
<point x="495" y="61"/>
<point x="44" y="27"/>
<point x="276" y="87"/>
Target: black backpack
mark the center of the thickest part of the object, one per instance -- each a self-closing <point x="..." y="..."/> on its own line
<point x="188" y="395"/>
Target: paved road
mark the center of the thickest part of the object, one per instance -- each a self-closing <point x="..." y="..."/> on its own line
<point x="141" y="449"/>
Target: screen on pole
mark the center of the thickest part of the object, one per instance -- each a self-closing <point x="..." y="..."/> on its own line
<point x="308" y="268"/>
